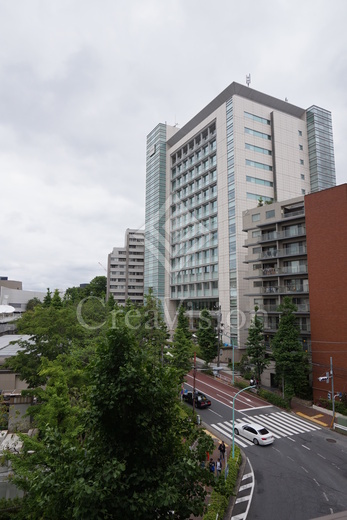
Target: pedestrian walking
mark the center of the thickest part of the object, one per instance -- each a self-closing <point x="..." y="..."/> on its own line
<point x="221" y="448"/>
<point x="212" y="466"/>
<point x="219" y="468"/>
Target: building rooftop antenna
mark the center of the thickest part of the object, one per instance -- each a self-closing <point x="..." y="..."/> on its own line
<point x="248" y="79"/>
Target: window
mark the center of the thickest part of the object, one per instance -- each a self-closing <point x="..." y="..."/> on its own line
<point x="257" y="134"/>
<point x="301" y="147"/>
<point x="256" y="180"/>
<point x="303" y="192"/>
<point x="256" y="233"/>
<point x="270" y="214"/>
<point x="256" y="196"/>
<point x="259" y="165"/>
<point x="257" y="118"/>
<point x="255" y="217"/>
<point x="258" y="149"/>
<point x="301" y="161"/>
<point x="300" y="133"/>
<point x="302" y="176"/>
<point x="256" y="250"/>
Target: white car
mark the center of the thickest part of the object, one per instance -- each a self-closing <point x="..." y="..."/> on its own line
<point x="255" y="433"/>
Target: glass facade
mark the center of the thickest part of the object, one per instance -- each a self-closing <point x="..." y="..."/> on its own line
<point x="193" y="220"/>
<point x="154" y="273"/>
<point x="320" y="148"/>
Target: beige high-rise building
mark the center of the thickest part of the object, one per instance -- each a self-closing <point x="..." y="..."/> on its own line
<point x="242" y="148"/>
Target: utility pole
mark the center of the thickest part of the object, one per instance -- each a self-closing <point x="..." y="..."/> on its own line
<point x="332" y="390"/>
<point x="219" y="332"/>
<point x="194" y="377"/>
<point x="330" y="375"/>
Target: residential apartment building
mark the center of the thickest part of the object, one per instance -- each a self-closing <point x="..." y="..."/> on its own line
<point x="242" y="147"/>
<point x="277" y="267"/>
<point x="125" y="269"/>
<point x="298" y="248"/>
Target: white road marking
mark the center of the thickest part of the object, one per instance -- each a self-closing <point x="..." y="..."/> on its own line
<point x="256" y="408"/>
<point x="318" y="484"/>
<point x="306" y="447"/>
<point x="304" y="469"/>
<point x="212" y="411"/>
<point x="279" y="424"/>
<point x="319" y="455"/>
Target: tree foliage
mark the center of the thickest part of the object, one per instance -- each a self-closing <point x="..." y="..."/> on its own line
<point x="54" y="327"/>
<point x="206" y="335"/>
<point x="112" y="442"/>
<point x="147" y="324"/>
<point x="256" y="349"/>
<point x="291" y="361"/>
<point x="183" y="323"/>
<point x="182" y="350"/>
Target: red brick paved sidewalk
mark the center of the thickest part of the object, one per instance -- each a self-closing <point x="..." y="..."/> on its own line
<point x="215" y="455"/>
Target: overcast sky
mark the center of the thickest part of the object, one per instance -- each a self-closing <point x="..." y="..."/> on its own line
<point x="82" y="83"/>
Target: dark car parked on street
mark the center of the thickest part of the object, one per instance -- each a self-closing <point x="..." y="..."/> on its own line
<point x="201" y="401"/>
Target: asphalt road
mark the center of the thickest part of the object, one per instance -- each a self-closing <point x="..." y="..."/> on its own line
<point x="301" y="476"/>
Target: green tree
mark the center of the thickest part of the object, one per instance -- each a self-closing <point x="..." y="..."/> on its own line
<point x="182" y="353"/>
<point x="111" y="302"/>
<point x="74" y="294"/>
<point x="56" y="301"/>
<point x="116" y="450"/>
<point x="97" y="287"/>
<point x="206" y="335"/>
<point x="31" y="304"/>
<point x="53" y="331"/>
<point x="47" y="299"/>
<point x="183" y="322"/>
<point x="256" y="349"/>
<point x="291" y="360"/>
<point x="147" y="324"/>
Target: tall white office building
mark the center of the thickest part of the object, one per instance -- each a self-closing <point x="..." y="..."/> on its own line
<point x="242" y="149"/>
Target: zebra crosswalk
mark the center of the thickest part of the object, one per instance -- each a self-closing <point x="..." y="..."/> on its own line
<point x="280" y="424"/>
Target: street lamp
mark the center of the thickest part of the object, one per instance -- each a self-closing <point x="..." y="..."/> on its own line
<point x="233" y="356"/>
<point x="219" y="331"/>
<point x="234" y="398"/>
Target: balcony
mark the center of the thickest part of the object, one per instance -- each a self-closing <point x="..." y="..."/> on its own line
<point x="284" y="289"/>
<point x="292" y="214"/>
<point x="302" y="308"/>
<point x="301" y="269"/>
<point x="276" y="253"/>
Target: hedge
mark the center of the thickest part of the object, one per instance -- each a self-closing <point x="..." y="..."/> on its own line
<point x="339" y="406"/>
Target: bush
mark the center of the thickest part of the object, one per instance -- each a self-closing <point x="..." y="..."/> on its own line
<point x="241" y="384"/>
<point x="224" y="488"/>
<point x="273" y="398"/>
<point x="340" y="406"/>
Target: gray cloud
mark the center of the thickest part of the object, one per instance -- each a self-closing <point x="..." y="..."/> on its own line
<point x="83" y="83"/>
